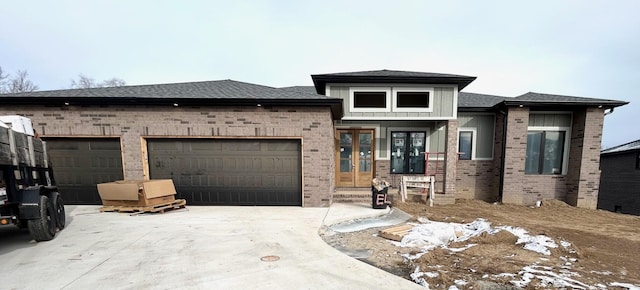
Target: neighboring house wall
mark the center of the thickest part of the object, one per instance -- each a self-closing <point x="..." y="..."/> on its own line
<point x="620" y="183"/>
<point x="313" y="125"/>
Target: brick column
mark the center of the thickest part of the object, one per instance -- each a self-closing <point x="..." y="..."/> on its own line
<point x="514" y="155"/>
<point x="587" y="127"/>
<point x="450" y="162"/>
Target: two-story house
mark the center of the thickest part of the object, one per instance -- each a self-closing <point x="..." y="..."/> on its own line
<point x="234" y="143"/>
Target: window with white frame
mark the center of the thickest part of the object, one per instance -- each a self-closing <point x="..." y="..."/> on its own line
<point x="547" y="151"/>
<point x="466" y="144"/>
<point x="370" y="99"/>
<point x="412" y="99"/>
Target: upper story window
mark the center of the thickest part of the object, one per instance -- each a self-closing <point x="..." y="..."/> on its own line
<point x="412" y="100"/>
<point x="390" y="99"/>
<point x="370" y="99"/>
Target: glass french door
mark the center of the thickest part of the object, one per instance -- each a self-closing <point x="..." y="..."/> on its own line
<point x="354" y="158"/>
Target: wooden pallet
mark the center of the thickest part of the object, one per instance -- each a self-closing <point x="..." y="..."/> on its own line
<point x="158" y="208"/>
<point x="395" y="233"/>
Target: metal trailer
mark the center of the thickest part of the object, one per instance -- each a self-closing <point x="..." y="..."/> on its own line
<point x="29" y="197"/>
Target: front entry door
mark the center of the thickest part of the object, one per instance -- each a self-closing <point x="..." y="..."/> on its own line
<point x="354" y="158"/>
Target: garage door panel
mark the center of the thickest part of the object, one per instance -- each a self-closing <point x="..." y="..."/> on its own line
<point x="230" y="172"/>
<point x="81" y="163"/>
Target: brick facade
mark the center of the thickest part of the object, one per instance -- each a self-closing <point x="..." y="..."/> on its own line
<point x="314" y="126"/>
<point x="515" y="152"/>
<point x="584" y="158"/>
<point x="579" y="187"/>
<point x="477" y="179"/>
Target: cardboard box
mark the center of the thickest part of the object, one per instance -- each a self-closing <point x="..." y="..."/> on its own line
<point x="137" y="192"/>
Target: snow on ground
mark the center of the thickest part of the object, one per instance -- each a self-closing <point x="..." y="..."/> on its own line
<point x="428" y="235"/>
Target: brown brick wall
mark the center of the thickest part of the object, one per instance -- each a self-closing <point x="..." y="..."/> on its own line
<point x="477" y="179"/>
<point x="584" y="158"/>
<point x="515" y="150"/>
<point x="451" y="160"/>
<point x="313" y="125"/>
<point x="579" y="187"/>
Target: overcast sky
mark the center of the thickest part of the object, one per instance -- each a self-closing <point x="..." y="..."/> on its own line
<point x="578" y="48"/>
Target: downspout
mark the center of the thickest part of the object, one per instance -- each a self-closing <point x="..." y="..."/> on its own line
<point x="502" y="156"/>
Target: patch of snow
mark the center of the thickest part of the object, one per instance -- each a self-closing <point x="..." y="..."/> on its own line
<point x="456" y="250"/>
<point x="416" y="276"/>
<point x="625" y="285"/>
<point x="453" y="287"/>
<point x="432" y="274"/>
<point x="544" y="259"/>
<point x="501" y="275"/>
<point x="549" y="278"/>
<point x="526" y="279"/>
<point x="606" y="273"/>
<point x="411" y="257"/>
<point x="539" y="243"/>
<point x="460" y="282"/>
<point x="565" y="244"/>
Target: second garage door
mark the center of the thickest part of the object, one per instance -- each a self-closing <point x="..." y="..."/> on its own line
<point x="230" y="172"/>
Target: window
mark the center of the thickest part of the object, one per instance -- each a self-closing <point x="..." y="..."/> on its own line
<point x="545" y="152"/>
<point x="412" y="99"/>
<point x="370" y="99"/>
<point x="465" y="145"/>
<point x="407" y="152"/>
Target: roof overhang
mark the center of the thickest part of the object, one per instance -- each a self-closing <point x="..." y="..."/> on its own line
<point x="335" y="104"/>
<point x="605" y="104"/>
<point x="320" y="81"/>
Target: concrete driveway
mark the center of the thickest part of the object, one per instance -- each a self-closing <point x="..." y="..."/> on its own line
<point x="193" y="248"/>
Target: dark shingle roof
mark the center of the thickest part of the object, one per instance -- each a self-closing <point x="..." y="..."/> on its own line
<point x="218" y="93"/>
<point x="631" y="146"/>
<point x="479" y="101"/>
<point x="223" y="89"/>
<point x="301" y="89"/>
<point x="534" y="99"/>
<point x="389" y="76"/>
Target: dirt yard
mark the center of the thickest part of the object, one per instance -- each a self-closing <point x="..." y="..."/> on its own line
<point x="596" y="249"/>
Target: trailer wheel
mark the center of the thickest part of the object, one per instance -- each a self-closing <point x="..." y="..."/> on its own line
<point x="44" y="228"/>
<point x="58" y="206"/>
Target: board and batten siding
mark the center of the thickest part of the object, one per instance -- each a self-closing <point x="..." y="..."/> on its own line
<point x="444" y="103"/>
<point x="484" y="125"/>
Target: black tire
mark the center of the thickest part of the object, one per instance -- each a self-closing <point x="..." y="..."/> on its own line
<point x="58" y="206"/>
<point x="44" y="228"/>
